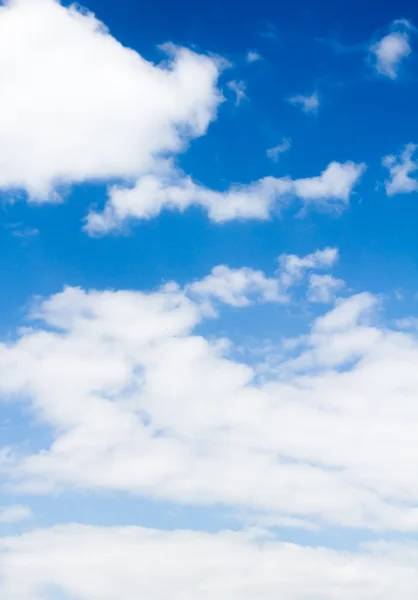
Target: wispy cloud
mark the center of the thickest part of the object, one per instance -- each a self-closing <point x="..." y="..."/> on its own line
<point x="14" y="513"/>
<point x="238" y="87"/>
<point x="275" y="152"/>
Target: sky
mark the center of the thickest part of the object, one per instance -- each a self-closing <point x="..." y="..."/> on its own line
<point x="208" y="308"/>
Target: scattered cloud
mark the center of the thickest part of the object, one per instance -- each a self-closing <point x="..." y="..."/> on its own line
<point x="238" y="287"/>
<point x="173" y="190"/>
<point x="235" y="286"/>
<point x="387" y="54"/>
<point x="309" y="104"/>
<point x="275" y="152"/>
<point x="400" y="169"/>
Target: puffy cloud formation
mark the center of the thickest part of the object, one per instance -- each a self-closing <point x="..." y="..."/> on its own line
<point x="389" y="52"/>
<point x="92" y="563"/>
<point x="173" y="190"/>
<point x="78" y="106"/>
<point x="400" y="169"/>
<point x="138" y="401"/>
<point x="237" y="286"/>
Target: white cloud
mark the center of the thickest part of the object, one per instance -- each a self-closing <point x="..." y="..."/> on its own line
<point x="234" y="286"/>
<point x="323" y="288"/>
<point x="14" y="513"/>
<point x="238" y="287"/>
<point x="335" y="183"/>
<point x="137" y="401"/>
<point x="309" y="104"/>
<point x="171" y="189"/>
<point x="92" y="563"/>
<point x="275" y="152"/>
<point x="238" y="87"/>
<point x="253" y="56"/>
<point x="389" y="52"/>
<point x="292" y="267"/>
<point x="81" y="107"/>
<point x="400" y="170"/>
<point x="78" y="106"/>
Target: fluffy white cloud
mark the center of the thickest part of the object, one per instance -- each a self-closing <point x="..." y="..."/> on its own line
<point x="400" y="170"/>
<point x="275" y="152"/>
<point x="389" y="52"/>
<point x="137" y="401"/>
<point x="334" y="185"/>
<point x="322" y="288"/>
<point x="92" y="563"/>
<point x="14" y="513"/>
<point x="238" y="287"/>
<point x="78" y="106"/>
<point x="307" y="103"/>
<point x="171" y="189"/>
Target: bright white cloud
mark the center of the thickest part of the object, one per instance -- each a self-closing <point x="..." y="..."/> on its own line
<point x="137" y="401"/>
<point x="323" y="288"/>
<point x="389" y="52"/>
<point x="14" y="513"/>
<point x="171" y="189"/>
<point x="275" y="152"/>
<point x="334" y="184"/>
<point x="309" y="104"/>
<point x="400" y="169"/>
<point x="238" y="287"/>
<point x="78" y="106"/>
<point x="92" y="563"/>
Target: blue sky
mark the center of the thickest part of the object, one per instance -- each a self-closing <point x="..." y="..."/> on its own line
<point x="208" y="318"/>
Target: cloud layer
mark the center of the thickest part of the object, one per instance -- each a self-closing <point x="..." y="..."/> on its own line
<point x="92" y="563"/>
<point x="137" y="401"/>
